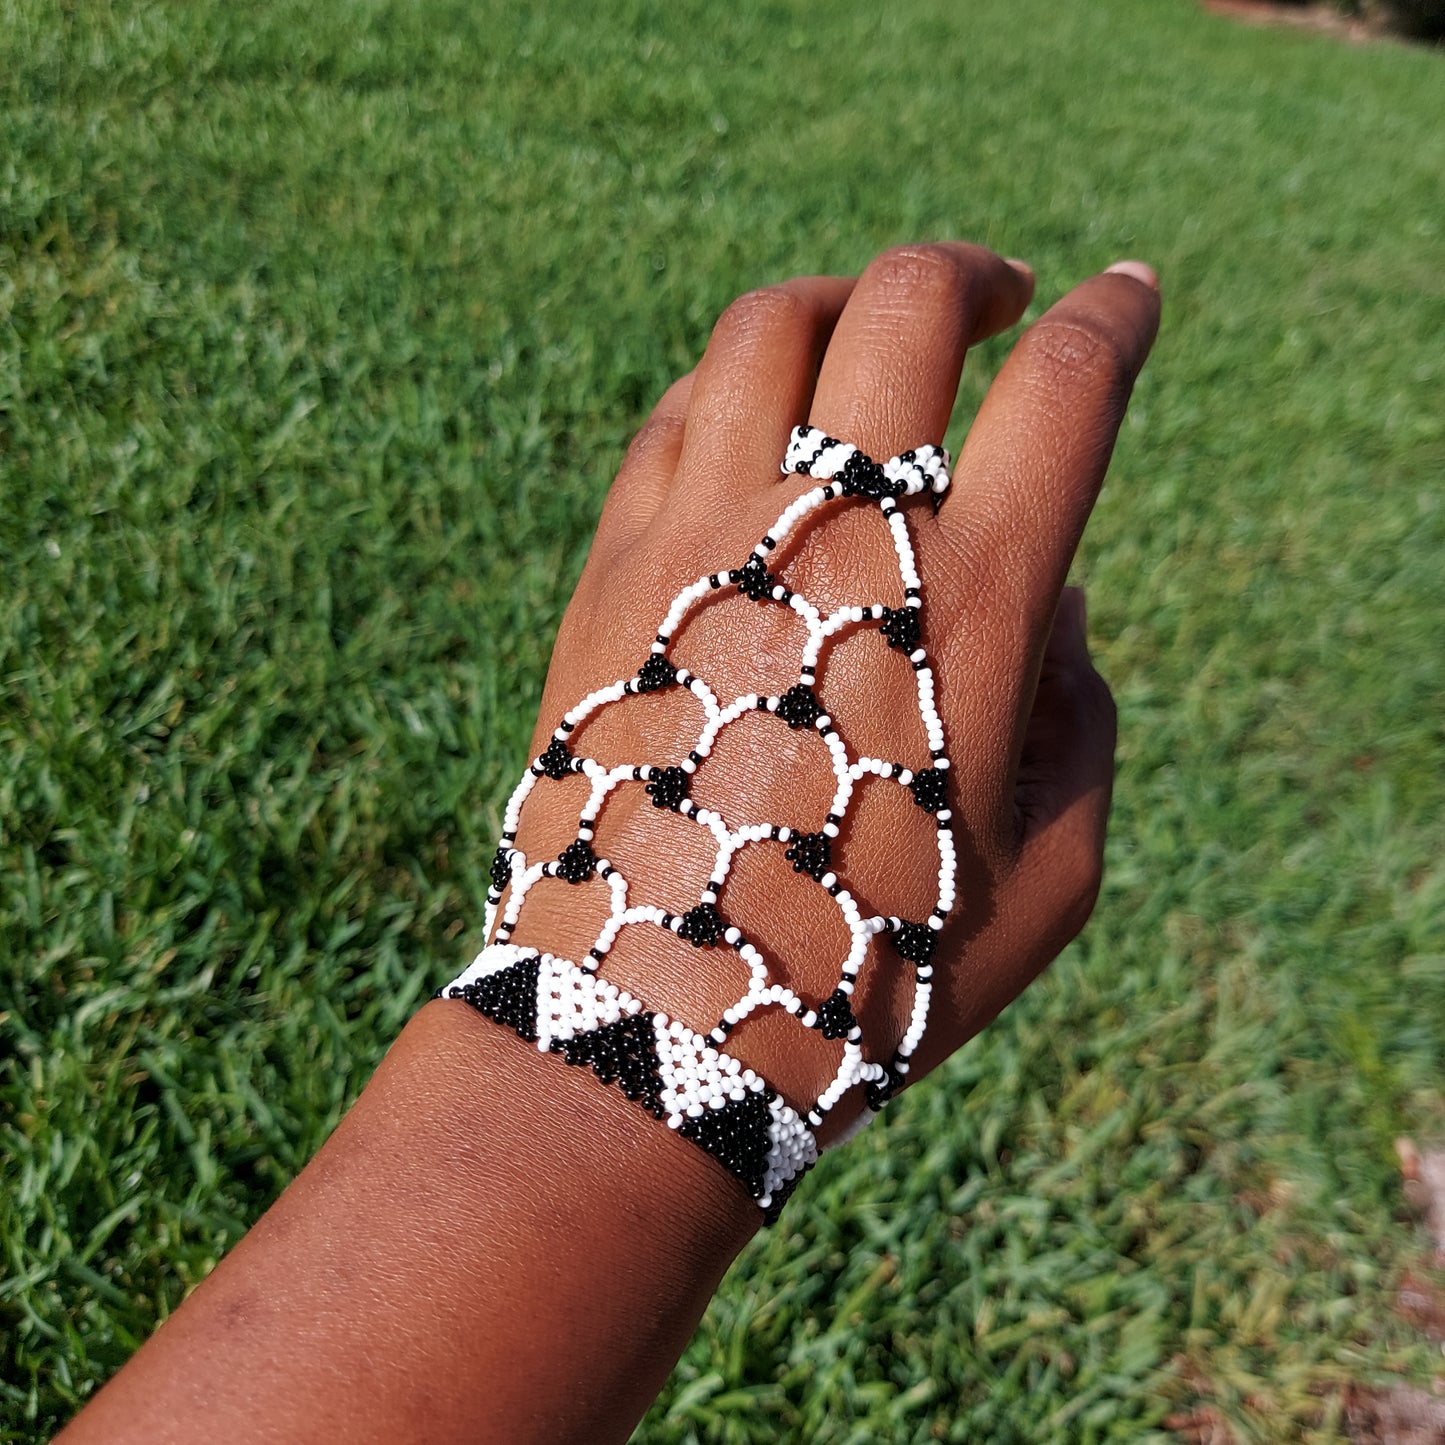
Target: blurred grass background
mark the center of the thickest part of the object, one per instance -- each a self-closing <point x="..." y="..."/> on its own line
<point x="322" y="329"/>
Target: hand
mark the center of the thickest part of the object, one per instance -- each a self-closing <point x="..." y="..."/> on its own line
<point x="484" y="1217"/>
<point x="1029" y="723"/>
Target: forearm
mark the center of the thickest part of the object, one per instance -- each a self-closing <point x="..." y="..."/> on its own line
<point x="492" y="1246"/>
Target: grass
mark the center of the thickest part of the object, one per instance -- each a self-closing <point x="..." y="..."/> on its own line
<point x="303" y="309"/>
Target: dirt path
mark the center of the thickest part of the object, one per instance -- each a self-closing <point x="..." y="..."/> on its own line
<point x="1325" y="19"/>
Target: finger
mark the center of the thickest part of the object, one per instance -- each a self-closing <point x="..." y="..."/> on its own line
<point x="890" y="375"/>
<point x="1031" y="467"/>
<point x="754" y="384"/>
<point x="1033" y="463"/>
<point x="645" y="476"/>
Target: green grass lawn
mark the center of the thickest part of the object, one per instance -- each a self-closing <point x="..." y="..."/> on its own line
<point x="304" y="309"/>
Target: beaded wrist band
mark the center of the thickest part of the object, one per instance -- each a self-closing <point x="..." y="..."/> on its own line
<point x="678" y="1075"/>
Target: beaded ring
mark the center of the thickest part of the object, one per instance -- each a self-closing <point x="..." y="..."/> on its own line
<point x="675" y="1073"/>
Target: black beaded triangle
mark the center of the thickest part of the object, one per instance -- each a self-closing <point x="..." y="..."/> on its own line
<point x="622" y="1052"/>
<point x="736" y="1134"/>
<point x="509" y="996"/>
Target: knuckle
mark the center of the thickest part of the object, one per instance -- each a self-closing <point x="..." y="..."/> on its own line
<point x="1087" y="880"/>
<point x="756" y="317"/>
<point x="1066" y="349"/>
<point x="613" y="525"/>
<point x="659" y="436"/>
<point x="1071" y="864"/>
<point x="919" y="272"/>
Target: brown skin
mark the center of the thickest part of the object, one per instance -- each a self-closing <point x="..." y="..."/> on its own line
<point x="494" y="1247"/>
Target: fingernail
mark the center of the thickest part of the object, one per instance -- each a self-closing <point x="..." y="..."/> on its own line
<point x="1022" y="267"/>
<point x="1137" y="269"/>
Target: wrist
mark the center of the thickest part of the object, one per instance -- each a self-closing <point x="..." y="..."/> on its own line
<point x="530" y="1138"/>
<point x="482" y="1220"/>
<point x="660" y="1064"/>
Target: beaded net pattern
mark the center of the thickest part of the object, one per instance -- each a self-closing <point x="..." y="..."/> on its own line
<point x="687" y="1079"/>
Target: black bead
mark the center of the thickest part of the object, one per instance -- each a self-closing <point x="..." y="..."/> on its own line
<point x="799" y="707"/>
<point x="930" y="789"/>
<point x="576" y="862"/>
<point x="668" y="787"/>
<point x="780" y="1197"/>
<point x="702" y="925"/>
<point x="656" y="673"/>
<point x="863" y="477"/>
<point x="509" y="996"/>
<point x="737" y="1136"/>
<point x="754" y="580"/>
<point x="835" y="1016"/>
<point x="879" y="1094"/>
<point x="915" y="941"/>
<point x="623" y="1052"/>
<point x="900" y="627"/>
<point x="501" y="869"/>
<point x="810" y="853"/>
<point x="557" y="760"/>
